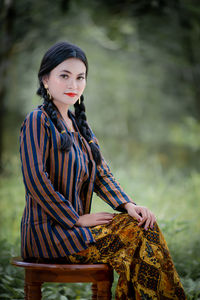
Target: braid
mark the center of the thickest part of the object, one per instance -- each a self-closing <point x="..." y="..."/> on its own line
<point x="85" y="130"/>
<point x="51" y="110"/>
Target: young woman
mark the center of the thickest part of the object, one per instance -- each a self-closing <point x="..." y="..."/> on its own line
<point x="62" y="166"/>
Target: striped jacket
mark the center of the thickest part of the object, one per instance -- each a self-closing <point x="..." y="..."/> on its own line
<point x="59" y="187"/>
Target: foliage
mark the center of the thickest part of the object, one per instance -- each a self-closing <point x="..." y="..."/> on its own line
<point x="78" y="291"/>
<point x="11" y="279"/>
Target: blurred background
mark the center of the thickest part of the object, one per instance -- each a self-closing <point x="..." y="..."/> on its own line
<point x="143" y="103"/>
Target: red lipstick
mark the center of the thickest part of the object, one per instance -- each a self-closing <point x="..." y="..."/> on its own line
<point x="70" y="94"/>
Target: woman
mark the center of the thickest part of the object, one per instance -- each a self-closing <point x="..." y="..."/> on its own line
<point x="62" y="165"/>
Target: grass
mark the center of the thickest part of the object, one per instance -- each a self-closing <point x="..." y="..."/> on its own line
<point x="172" y="195"/>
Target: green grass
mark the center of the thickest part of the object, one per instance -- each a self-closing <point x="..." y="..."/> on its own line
<point x="173" y="196"/>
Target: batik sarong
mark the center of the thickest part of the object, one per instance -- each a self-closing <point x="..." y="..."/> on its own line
<point x="140" y="257"/>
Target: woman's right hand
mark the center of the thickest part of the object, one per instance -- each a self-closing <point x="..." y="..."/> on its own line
<point x="89" y="220"/>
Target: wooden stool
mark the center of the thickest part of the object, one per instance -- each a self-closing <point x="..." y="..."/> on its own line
<point x="101" y="275"/>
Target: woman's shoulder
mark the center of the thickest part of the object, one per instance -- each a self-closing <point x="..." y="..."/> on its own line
<point x="37" y="114"/>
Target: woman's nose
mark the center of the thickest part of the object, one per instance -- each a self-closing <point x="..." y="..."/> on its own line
<point x="72" y="84"/>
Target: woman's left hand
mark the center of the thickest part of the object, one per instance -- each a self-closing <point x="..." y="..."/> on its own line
<point x="142" y="214"/>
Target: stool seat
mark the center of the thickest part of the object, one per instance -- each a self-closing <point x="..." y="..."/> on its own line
<point x="101" y="275"/>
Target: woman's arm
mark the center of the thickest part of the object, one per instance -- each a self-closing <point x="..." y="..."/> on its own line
<point x="34" y="145"/>
<point x="108" y="188"/>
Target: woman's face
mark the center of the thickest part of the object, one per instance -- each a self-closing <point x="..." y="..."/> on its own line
<point x="67" y="81"/>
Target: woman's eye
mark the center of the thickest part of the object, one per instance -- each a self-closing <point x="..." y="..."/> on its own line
<point x="64" y="76"/>
<point x="81" y="78"/>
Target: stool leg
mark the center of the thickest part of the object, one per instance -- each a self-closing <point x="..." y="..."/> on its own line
<point x="32" y="291"/>
<point x="94" y="291"/>
<point x="32" y="287"/>
<point x="104" y="290"/>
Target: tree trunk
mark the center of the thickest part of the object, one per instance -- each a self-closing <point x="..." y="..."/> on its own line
<point x="6" y="41"/>
<point x="189" y="46"/>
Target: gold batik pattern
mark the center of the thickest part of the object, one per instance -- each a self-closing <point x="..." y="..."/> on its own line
<point x="140" y="257"/>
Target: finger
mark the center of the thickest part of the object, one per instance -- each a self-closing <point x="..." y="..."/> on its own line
<point x="106" y="217"/>
<point x="147" y="224"/>
<point x="142" y="222"/>
<point x="102" y="222"/>
<point x="144" y="216"/>
<point x="139" y="218"/>
<point x="135" y="215"/>
<point x="143" y="212"/>
<point x="153" y="221"/>
<point x="148" y="219"/>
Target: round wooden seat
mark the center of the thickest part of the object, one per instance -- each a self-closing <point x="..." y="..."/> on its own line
<point x="101" y="275"/>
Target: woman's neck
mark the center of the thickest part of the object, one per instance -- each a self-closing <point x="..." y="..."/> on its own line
<point x="62" y="108"/>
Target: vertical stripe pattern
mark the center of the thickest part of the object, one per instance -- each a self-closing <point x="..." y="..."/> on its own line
<point x="59" y="187"/>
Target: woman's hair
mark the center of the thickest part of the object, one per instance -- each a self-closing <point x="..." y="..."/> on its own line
<point x="53" y="57"/>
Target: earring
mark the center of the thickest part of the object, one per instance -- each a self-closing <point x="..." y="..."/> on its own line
<point x="48" y="93"/>
<point x="79" y="100"/>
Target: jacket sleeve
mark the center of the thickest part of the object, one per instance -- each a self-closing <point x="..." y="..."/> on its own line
<point x="34" y="147"/>
<point x="107" y="187"/>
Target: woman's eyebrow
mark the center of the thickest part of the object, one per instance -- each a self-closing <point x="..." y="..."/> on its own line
<point x="83" y="73"/>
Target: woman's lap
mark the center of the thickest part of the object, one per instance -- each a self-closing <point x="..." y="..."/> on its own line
<point x="140" y="257"/>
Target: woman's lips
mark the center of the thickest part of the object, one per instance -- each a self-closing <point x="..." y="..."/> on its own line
<point x="70" y="94"/>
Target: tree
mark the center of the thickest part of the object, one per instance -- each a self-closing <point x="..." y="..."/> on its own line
<point x="19" y="19"/>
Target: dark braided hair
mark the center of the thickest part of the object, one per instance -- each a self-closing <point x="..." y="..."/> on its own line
<point x="53" y="57"/>
<point x="85" y="130"/>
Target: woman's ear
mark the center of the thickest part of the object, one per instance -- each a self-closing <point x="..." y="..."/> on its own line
<point x="45" y="80"/>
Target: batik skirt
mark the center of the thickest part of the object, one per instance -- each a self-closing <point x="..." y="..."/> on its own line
<point x="140" y="257"/>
